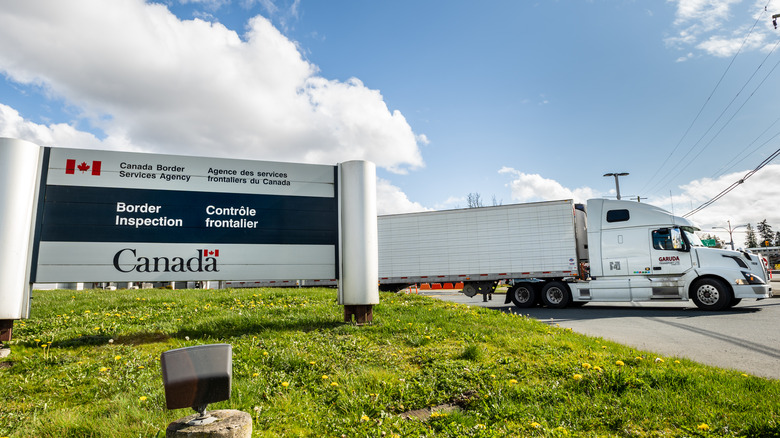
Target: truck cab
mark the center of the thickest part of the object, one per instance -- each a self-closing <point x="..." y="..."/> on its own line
<point x="639" y="252"/>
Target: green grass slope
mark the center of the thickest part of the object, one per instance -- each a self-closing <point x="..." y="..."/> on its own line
<point x="87" y="365"/>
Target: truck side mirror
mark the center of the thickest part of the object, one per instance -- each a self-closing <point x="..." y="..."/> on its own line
<point x="678" y="242"/>
<point x="196" y="376"/>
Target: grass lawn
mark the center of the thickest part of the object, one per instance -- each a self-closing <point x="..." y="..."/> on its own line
<point x="87" y="365"/>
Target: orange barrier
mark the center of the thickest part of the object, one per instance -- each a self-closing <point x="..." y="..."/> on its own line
<point x="425" y="286"/>
<point x="436" y="286"/>
<point x="459" y="285"/>
<point x="447" y="286"/>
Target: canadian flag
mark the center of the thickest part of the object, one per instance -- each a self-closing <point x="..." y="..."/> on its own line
<point x="71" y="167"/>
<point x="214" y="253"/>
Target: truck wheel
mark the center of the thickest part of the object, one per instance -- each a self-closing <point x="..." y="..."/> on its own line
<point x="711" y="294"/>
<point x="523" y="295"/>
<point x="556" y="295"/>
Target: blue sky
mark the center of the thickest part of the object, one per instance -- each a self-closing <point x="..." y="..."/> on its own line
<point x="515" y="100"/>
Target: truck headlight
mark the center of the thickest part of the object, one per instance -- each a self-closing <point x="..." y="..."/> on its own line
<point x="749" y="279"/>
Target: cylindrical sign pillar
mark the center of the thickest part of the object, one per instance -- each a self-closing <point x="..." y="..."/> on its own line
<point x="359" y="249"/>
<point x="19" y="173"/>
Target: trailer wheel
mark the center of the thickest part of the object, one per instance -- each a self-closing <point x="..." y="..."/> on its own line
<point x="523" y="295"/>
<point x="556" y="295"/>
<point x="711" y="294"/>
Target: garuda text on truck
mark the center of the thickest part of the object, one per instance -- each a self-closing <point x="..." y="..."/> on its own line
<point x="554" y="254"/>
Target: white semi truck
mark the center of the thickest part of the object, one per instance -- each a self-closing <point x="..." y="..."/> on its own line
<point x="554" y="254"/>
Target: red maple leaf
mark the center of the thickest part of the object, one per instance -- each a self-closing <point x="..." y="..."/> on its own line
<point x="83" y="167"/>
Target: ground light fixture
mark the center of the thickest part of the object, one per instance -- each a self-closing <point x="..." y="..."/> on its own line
<point x="196" y="376"/>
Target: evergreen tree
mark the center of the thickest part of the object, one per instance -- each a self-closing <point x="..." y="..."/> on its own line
<point x="750" y="238"/>
<point x="765" y="233"/>
<point x="777" y="239"/>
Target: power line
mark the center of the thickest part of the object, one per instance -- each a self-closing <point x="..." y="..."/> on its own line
<point x="734" y="161"/>
<point x="734" y="185"/>
<point x="717" y="85"/>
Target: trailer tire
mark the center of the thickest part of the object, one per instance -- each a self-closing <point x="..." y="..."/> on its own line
<point x="556" y="295"/>
<point x="523" y="295"/>
<point x="711" y="294"/>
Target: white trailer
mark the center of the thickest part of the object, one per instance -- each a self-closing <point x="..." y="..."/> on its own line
<point x="480" y="246"/>
<point x="630" y="252"/>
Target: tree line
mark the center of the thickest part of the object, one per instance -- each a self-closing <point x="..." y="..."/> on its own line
<point x="762" y="236"/>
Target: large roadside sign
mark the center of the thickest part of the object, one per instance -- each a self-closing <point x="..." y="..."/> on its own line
<point x="78" y="215"/>
<point x="115" y="216"/>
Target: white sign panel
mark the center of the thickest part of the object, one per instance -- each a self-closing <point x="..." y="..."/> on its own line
<point x="116" y="216"/>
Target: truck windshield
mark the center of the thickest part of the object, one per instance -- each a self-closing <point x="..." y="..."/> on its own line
<point x="691" y="236"/>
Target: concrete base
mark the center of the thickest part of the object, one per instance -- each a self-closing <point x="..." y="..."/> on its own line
<point x="230" y="424"/>
<point x="363" y="314"/>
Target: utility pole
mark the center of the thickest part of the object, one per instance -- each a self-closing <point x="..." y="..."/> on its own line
<point x="731" y="230"/>
<point x="617" y="182"/>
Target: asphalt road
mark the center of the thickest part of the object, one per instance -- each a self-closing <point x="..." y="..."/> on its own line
<point x="745" y="338"/>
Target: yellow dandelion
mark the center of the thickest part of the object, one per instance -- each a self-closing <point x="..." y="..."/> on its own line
<point x="658" y="360"/>
<point x="334" y="384"/>
<point x="325" y="377"/>
<point x="512" y="381"/>
<point x="604" y="347"/>
<point x="140" y="367"/>
<point x="312" y="363"/>
<point x="597" y="368"/>
<point x="492" y="376"/>
<point x="104" y="369"/>
<point x="427" y="337"/>
<point x="536" y="425"/>
<point x="37" y="340"/>
<point x="703" y="426"/>
<point x="364" y="417"/>
<point x="255" y="374"/>
<point x="265" y="353"/>
<point x="285" y="384"/>
<point x="619" y="363"/>
<point x="586" y="366"/>
<point x="577" y="377"/>
<point x="677" y="361"/>
<point x="117" y="357"/>
<point x="142" y="398"/>
<point x="745" y="375"/>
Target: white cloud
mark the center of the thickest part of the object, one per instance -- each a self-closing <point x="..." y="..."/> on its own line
<point x="150" y="80"/>
<point x="533" y="187"/>
<point x="751" y="202"/>
<point x="60" y="134"/>
<point x="717" y="27"/>
<point x="685" y="58"/>
<point x="713" y="11"/>
<point x="391" y="200"/>
<point x="726" y="47"/>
